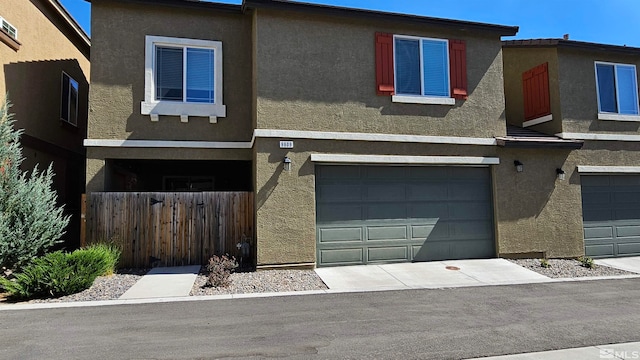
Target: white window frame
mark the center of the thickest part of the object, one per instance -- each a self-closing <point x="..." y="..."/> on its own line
<point x="15" y="29"/>
<point x="68" y="102"/>
<point x="422" y="99"/>
<point x="154" y="108"/>
<point x="610" y="115"/>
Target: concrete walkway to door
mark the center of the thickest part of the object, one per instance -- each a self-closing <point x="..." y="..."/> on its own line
<point x="427" y="275"/>
<point x="163" y="282"/>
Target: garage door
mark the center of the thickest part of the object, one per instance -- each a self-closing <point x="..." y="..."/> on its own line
<point x="611" y="214"/>
<point x="369" y="214"/>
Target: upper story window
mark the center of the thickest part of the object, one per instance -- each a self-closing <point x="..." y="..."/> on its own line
<point x="617" y="89"/>
<point x="183" y="77"/>
<point x="421" y="70"/>
<point x="69" y="101"/>
<point x="9" y="29"/>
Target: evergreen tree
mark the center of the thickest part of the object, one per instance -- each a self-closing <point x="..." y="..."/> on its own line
<point x="30" y="220"/>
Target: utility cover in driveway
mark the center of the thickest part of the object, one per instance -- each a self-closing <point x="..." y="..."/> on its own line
<point x="376" y="214"/>
<point x="611" y="215"/>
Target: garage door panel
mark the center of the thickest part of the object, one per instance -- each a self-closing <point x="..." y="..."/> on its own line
<point x="338" y="172"/>
<point x="628" y="231"/>
<point x="341" y="192"/>
<point x="630" y="248"/>
<point x="598" y="232"/>
<point x="386" y="233"/>
<point x="385" y="192"/>
<point x="427" y="192"/>
<point x="388" y="253"/>
<point x="601" y="250"/>
<point x="611" y="214"/>
<point x="401" y="209"/>
<point x="469" y="211"/>
<point x="327" y="213"/>
<point x="327" y="235"/>
<point x="384" y="211"/>
<point x="429" y="210"/>
<point x="341" y="256"/>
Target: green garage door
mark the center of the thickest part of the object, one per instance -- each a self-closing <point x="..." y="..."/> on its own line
<point x="611" y="214"/>
<point x="369" y="214"/>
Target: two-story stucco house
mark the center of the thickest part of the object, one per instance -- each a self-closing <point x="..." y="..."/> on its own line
<point x="45" y="74"/>
<point x="365" y="136"/>
<point x="586" y="92"/>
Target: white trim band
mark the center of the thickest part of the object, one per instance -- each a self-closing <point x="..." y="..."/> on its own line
<point x="609" y="169"/>
<point x="618" y="117"/>
<point x="404" y="160"/>
<point x="537" y="121"/>
<point x="171" y="144"/>
<point x="326" y="135"/>
<point x="601" y="137"/>
<point x="432" y="100"/>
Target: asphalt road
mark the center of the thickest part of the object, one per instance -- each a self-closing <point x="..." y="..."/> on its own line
<point x="411" y="324"/>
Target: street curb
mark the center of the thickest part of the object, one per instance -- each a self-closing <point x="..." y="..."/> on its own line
<point x="75" y="304"/>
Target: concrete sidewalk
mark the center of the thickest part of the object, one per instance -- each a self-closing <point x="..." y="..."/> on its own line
<point x="610" y="351"/>
<point x="164" y="282"/>
<point x="623" y="263"/>
<point x="427" y="275"/>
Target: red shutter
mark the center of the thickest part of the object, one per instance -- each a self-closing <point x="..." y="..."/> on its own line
<point x="535" y="92"/>
<point x="458" y="68"/>
<point x="384" y="64"/>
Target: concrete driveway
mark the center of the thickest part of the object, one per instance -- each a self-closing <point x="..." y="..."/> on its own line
<point x="623" y="263"/>
<point x="427" y="275"/>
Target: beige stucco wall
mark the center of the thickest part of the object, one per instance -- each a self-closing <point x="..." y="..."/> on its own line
<point x="517" y="60"/>
<point x="318" y="73"/>
<point x="578" y="91"/>
<point x="32" y="74"/>
<point x="285" y="201"/>
<point x="117" y="88"/>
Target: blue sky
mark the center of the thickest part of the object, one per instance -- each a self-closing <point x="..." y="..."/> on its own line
<point x="618" y="21"/>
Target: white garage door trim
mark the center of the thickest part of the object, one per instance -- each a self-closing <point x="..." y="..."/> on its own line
<point x="404" y="160"/>
<point x="609" y="169"/>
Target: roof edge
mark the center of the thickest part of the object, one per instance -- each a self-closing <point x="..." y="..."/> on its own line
<point x="193" y="4"/>
<point x="62" y="11"/>
<point x="553" y="42"/>
<point x="502" y="30"/>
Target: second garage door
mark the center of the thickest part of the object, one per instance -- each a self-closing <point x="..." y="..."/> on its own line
<point x="611" y="215"/>
<point x="369" y="214"/>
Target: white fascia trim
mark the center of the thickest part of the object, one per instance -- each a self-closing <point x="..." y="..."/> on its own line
<point x="609" y="169"/>
<point x="618" y="117"/>
<point x="168" y="144"/>
<point x="408" y="99"/>
<point x="537" y="121"/>
<point x="601" y="137"/>
<point x="326" y="135"/>
<point x="70" y="20"/>
<point x="405" y="160"/>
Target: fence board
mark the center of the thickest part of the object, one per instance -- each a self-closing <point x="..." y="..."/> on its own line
<point x="176" y="228"/>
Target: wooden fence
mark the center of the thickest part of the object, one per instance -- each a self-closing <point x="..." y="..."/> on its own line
<point x="171" y="229"/>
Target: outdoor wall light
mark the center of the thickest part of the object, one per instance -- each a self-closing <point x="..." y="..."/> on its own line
<point x="519" y="166"/>
<point x="560" y="174"/>
<point x="287" y="163"/>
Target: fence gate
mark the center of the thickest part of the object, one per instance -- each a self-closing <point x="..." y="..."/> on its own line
<point x="171" y="229"/>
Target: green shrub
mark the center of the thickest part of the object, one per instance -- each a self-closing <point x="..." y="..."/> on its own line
<point x="57" y="274"/>
<point x="545" y="263"/>
<point x="219" y="269"/>
<point x="30" y="221"/>
<point x="587" y="262"/>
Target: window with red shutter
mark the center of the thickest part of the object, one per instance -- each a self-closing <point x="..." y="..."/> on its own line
<point x="458" y="68"/>
<point x="384" y="64"/>
<point x="535" y="91"/>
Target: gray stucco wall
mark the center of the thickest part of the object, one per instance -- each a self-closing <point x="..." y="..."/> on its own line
<point x="118" y="64"/>
<point x="517" y="61"/>
<point x="578" y="91"/>
<point x="318" y="73"/>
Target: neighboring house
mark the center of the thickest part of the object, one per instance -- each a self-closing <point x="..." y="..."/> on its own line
<point x="366" y="136"/>
<point x="45" y="72"/>
<point x="586" y="92"/>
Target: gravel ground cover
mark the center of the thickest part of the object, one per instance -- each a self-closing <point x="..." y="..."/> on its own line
<point x="568" y="268"/>
<point x="262" y="281"/>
